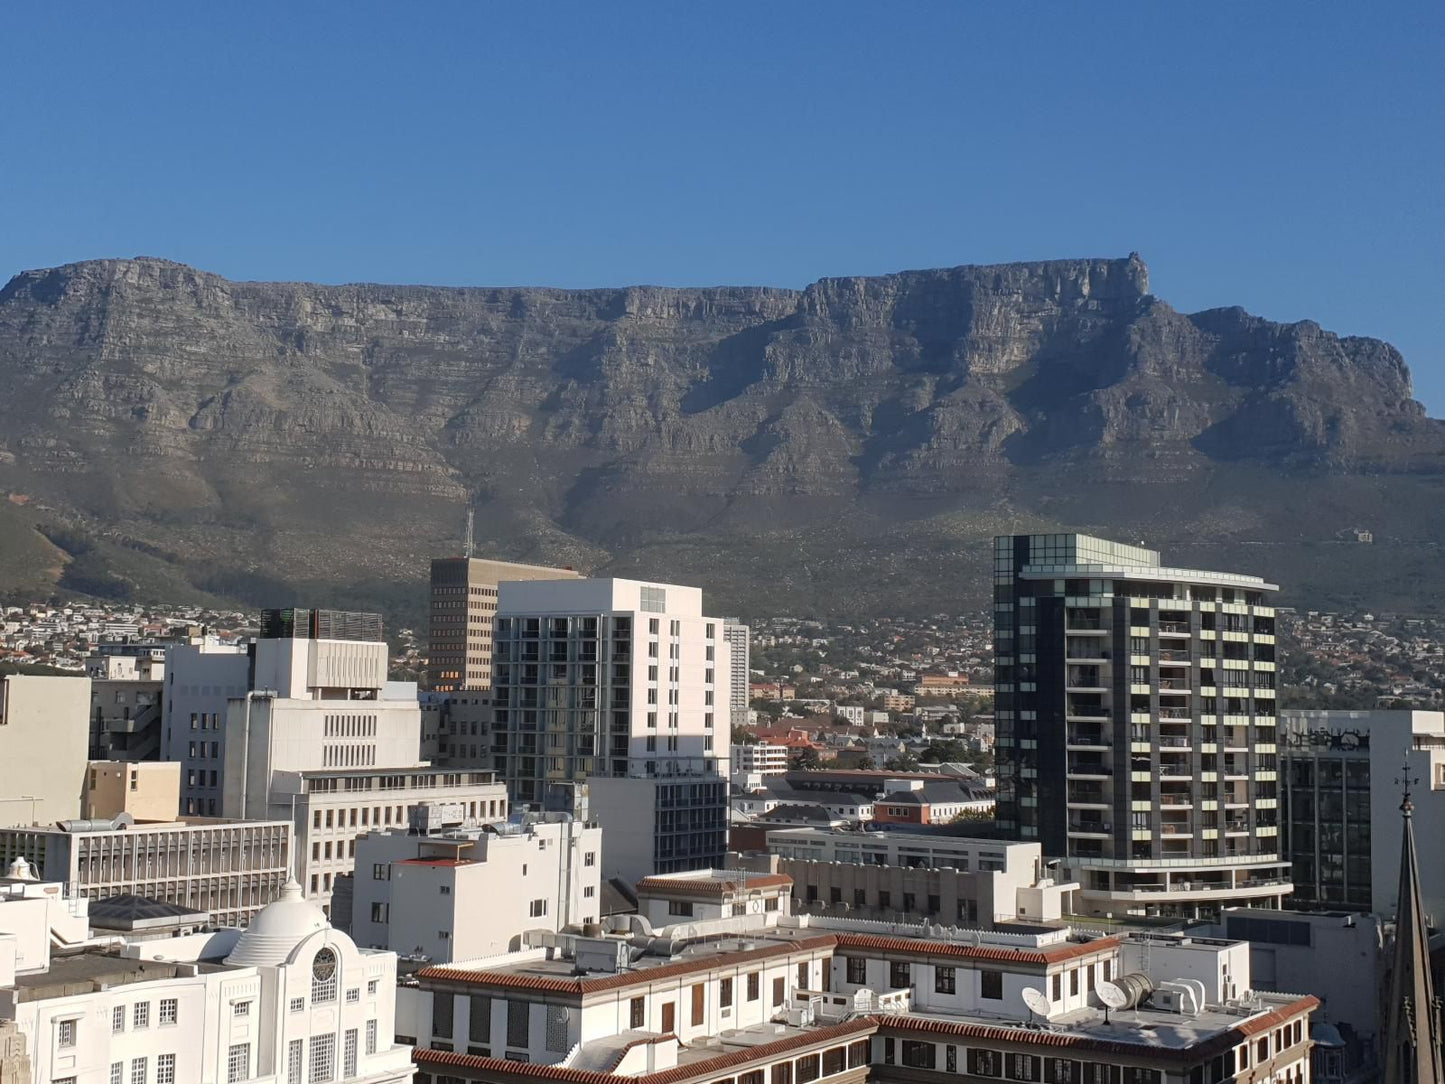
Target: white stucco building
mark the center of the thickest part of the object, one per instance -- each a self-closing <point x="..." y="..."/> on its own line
<point x="472" y="890"/>
<point x="288" y="1000"/>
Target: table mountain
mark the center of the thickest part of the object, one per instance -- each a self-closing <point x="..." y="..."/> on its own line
<point x="165" y="430"/>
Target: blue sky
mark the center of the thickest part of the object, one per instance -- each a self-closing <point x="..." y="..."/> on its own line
<point x="1287" y="157"/>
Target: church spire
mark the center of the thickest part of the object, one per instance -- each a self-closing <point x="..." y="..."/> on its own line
<point x="1412" y="1043"/>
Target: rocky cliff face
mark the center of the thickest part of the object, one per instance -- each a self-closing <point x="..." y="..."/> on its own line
<point x="240" y="436"/>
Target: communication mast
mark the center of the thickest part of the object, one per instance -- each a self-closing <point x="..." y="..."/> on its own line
<point x="467" y="540"/>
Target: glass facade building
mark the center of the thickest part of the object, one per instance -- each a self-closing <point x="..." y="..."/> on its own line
<point x="1135" y="724"/>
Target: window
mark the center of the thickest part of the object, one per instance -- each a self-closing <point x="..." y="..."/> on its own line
<point x="381" y="871"/>
<point x="238" y="1063"/>
<point x="138" y="1067"/>
<point x="856" y="970"/>
<point x="371" y="987"/>
<point x="918" y="1055"/>
<point x="637" y="1013"/>
<point x="441" y="1013"/>
<point x="944" y="980"/>
<point x="380" y="912"/>
<point x="241" y="1008"/>
<point x="777" y="992"/>
<point x="298" y="1004"/>
<point x="165" y="1069"/>
<point x="753" y="981"/>
<point x="117" y="1072"/>
<point x="538" y="908"/>
<point x="479" y="1021"/>
<point x="835" y="1060"/>
<point x="169" y="1005"/>
<point x="293" y="1061"/>
<point x="323" y="984"/>
<point x="806" y="1069"/>
<point x="117" y="1018"/>
<point x="991" y="985"/>
<point x="590" y="858"/>
<point x="900" y="974"/>
<point x="699" y="1004"/>
<point x="141" y="1016"/>
<point x="518" y="1023"/>
<point x="725" y="994"/>
<point x="371" y="1035"/>
<point x="348" y="1053"/>
<point x="65" y="1033"/>
<point x="323" y="1059"/>
<point x="353" y="996"/>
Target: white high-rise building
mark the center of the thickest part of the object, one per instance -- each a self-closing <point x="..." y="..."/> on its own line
<point x="200" y="680"/>
<point x="739" y="638"/>
<point x="627" y="685"/>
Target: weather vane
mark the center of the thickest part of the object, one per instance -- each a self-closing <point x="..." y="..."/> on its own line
<point x="1406" y="781"/>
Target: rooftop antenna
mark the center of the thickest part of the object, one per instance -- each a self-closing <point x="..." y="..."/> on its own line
<point x="467" y="540"/>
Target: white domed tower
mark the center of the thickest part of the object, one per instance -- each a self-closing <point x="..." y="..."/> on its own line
<point x="334" y="1004"/>
<point x="278" y="929"/>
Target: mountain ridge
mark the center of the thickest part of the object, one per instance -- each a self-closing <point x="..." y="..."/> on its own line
<point x="242" y="438"/>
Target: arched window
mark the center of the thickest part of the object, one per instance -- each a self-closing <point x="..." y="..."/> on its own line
<point x="323" y="977"/>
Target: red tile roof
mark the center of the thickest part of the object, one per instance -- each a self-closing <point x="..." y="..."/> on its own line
<point x="916" y="946"/>
<point x="709" y="887"/>
<point x="445" y="1059"/>
<point x="580" y="985"/>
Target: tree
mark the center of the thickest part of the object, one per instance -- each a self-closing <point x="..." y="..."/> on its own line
<point x="903" y="762"/>
<point x="806" y="758"/>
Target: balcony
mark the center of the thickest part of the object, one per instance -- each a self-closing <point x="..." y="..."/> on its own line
<point x="1170" y="742"/>
<point x="1173" y="628"/>
<point x="1090" y="827"/>
<point x="1169" y="657"/>
<point x="1088" y="739"/>
<point x="1089" y="770"/>
<point x="1084" y="679"/>
<point x="1177" y="801"/>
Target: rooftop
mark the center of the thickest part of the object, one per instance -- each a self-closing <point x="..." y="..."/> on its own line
<point x="711" y="882"/>
<point x="88" y="971"/>
<point x="1127" y="1031"/>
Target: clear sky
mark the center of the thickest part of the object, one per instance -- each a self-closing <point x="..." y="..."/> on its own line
<point x="1287" y="157"/>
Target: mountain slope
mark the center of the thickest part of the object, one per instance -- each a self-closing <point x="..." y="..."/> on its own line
<point x="779" y="447"/>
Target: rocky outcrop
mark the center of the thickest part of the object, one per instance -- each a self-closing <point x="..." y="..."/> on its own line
<point x="319" y="434"/>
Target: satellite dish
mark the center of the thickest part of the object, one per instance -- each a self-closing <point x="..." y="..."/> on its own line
<point x="1112" y="996"/>
<point x="1036" y="1001"/>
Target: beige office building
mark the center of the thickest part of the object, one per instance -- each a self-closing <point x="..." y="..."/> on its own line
<point x="44" y="747"/>
<point x="146" y="790"/>
<point x="463" y="604"/>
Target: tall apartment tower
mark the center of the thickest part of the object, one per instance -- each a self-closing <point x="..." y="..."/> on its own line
<point x="626" y="685"/>
<point x="740" y="639"/>
<point x="463" y="603"/>
<point x="1136" y="723"/>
